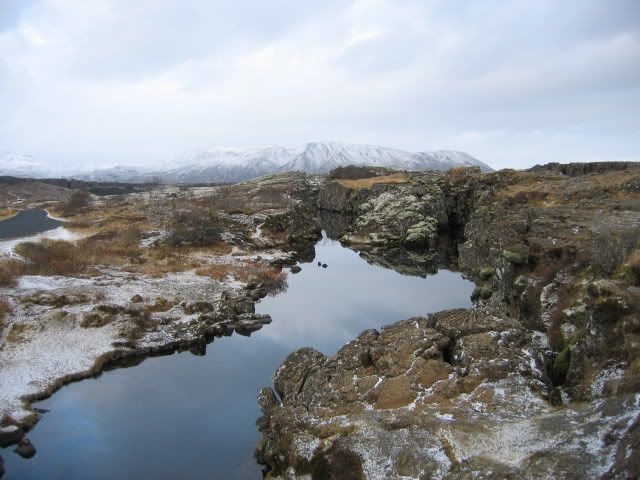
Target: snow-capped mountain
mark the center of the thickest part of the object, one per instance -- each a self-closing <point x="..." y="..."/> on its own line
<point x="238" y="164"/>
<point x="22" y="165"/>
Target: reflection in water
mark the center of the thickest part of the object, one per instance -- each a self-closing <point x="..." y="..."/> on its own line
<point x="183" y="416"/>
<point x="27" y="222"/>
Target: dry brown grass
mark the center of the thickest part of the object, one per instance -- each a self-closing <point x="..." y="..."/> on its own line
<point x="7" y="213"/>
<point x="57" y="257"/>
<point x="5" y="309"/>
<point x="630" y="269"/>
<point x="17" y="332"/>
<point x="543" y="189"/>
<point x="10" y="270"/>
<point x="217" y="272"/>
<point x="369" y="182"/>
<point x="245" y="272"/>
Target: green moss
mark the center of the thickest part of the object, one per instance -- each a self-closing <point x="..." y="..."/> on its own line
<point x="514" y="257"/>
<point x="486" y="273"/>
<point x="630" y="274"/>
<point x="482" y="292"/>
<point x="560" y="366"/>
<point x="587" y="274"/>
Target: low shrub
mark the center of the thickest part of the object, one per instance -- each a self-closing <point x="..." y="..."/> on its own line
<point x="75" y="203"/>
<point x="630" y="270"/>
<point x="610" y="249"/>
<point x="52" y="257"/>
<point x="10" y="270"/>
<point x="198" y="228"/>
<point x="5" y="309"/>
<point x="560" y="366"/>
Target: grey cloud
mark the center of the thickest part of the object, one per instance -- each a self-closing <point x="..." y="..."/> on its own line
<point x="513" y="83"/>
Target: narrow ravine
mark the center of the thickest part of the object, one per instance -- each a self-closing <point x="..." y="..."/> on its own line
<point x="187" y="416"/>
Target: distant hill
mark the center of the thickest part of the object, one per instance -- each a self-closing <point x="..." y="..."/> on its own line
<point x="237" y="164"/>
<point x="234" y="165"/>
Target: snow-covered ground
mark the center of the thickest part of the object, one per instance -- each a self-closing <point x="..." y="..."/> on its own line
<point x="7" y="246"/>
<point x="45" y="343"/>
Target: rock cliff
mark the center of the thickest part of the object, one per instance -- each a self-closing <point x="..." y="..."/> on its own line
<point x="540" y="379"/>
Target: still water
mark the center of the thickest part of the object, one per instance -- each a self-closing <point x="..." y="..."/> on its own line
<point x="27" y="222"/>
<point x="182" y="416"/>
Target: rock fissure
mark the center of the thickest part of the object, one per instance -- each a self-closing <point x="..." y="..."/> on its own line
<point x="505" y="383"/>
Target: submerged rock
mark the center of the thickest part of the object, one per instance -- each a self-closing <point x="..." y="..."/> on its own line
<point x="25" y="449"/>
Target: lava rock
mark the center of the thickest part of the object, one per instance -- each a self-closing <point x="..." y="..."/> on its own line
<point x="296" y="269"/>
<point x="319" y="264"/>
<point x="25" y="449"/>
<point x="324" y="265"/>
<point x="10" y="435"/>
<point x="199" y="350"/>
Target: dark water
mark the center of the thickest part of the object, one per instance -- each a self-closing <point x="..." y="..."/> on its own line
<point x="27" y="222"/>
<point x="183" y="416"/>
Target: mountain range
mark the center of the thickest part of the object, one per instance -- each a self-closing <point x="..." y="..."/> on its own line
<point x="238" y="164"/>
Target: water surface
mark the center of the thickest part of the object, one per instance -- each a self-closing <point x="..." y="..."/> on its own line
<point x="26" y="223"/>
<point x="188" y="417"/>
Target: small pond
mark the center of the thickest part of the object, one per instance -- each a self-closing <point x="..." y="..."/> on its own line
<point x="184" y="416"/>
<point x="26" y="223"/>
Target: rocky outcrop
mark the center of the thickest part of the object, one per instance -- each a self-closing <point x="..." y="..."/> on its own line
<point x="540" y="379"/>
<point x="575" y="169"/>
<point x="452" y="395"/>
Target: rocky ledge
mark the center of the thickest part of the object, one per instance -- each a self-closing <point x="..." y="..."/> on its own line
<point x="539" y="379"/>
<point x="451" y="395"/>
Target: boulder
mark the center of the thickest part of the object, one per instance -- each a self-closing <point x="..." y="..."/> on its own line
<point x="9" y="435"/>
<point x="25" y="449"/>
<point x="296" y="269"/>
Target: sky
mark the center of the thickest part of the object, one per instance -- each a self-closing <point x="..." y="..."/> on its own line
<point x="140" y="82"/>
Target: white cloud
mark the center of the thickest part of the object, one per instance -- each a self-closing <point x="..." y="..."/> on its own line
<point x="513" y="83"/>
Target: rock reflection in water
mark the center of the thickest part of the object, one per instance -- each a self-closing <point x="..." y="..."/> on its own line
<point x="187" y="416"/>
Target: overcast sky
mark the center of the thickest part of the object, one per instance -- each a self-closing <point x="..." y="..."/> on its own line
<point x="512" y="83"/>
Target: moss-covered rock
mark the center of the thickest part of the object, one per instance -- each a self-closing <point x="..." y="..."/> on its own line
<point x="486" y="273"/>
<point x="514" y="257"/>
<point x="422" y="233"/>
<point x="482" y="292"/>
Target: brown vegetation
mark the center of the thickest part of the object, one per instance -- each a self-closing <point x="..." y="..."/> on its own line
<point x="630" y="269"/>
<point x="7" y="213"/>
<point x="10" y="270"/>
<point x="5" y="309"/>
<point x="76" y="202"/>
<point x="610" y="248"/>
<point x="353" y="172"/>
<point x="194" y="227"/>
<point x="57" y="257"/>
<point x="369" y="182"/>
